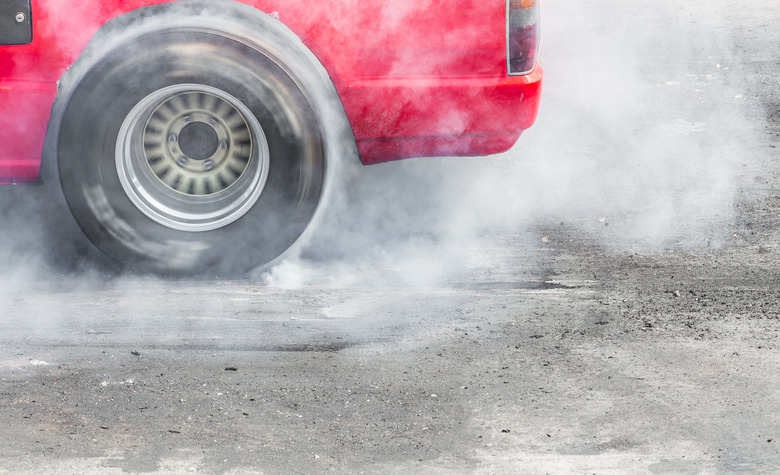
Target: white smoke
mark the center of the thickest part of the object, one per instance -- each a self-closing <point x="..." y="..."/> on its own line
<point x="639" y="144"/>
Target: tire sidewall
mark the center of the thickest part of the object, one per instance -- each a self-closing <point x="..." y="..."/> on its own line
<point x="273" y="225"/>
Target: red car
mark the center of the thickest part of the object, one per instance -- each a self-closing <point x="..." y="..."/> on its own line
<point x="203" y="134"/>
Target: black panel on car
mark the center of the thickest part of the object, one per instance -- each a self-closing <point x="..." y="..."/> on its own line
<point x="15" y="22"/>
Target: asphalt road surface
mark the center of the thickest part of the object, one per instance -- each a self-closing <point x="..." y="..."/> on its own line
<point x="602" y="299"/>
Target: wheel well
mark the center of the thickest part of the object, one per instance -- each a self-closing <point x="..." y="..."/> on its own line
<point x="243" y="20"/>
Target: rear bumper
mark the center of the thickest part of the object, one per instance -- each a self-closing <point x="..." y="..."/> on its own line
<point x="396" y="118"/>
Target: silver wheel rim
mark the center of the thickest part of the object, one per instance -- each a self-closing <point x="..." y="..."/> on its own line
<point x="192" y="157"/>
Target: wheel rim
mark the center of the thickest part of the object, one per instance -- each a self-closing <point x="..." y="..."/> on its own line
<point x="192" y="157"/>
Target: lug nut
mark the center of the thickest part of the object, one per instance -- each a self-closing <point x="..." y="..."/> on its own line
<point x="172" y="138"/>
<point x="212" y="122"/>
<point x="208" y="165"/>
<point x="223" y="144"/>
<point x="182" y="161"/>
<point x="187" y="119"/>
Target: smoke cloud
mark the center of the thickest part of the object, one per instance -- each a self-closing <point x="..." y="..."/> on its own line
<point x="638" y="145"/>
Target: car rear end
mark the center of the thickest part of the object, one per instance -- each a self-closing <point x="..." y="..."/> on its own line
<point x="448" y="78"/>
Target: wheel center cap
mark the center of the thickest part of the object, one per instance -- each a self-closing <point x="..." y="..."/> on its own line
<point x="198" y="140"/>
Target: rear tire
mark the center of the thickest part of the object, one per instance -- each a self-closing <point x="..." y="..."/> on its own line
<point x="199" y="147"/>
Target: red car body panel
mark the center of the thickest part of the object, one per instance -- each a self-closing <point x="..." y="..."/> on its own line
<point x="416" y="78"/>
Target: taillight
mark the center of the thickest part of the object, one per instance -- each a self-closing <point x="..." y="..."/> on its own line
<point x="522" y="38"/>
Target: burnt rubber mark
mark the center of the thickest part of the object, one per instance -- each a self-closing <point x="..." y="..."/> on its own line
<point x="325" y="347"/>
<point x="522" y="285"/>
<point x="330" y="347"/>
